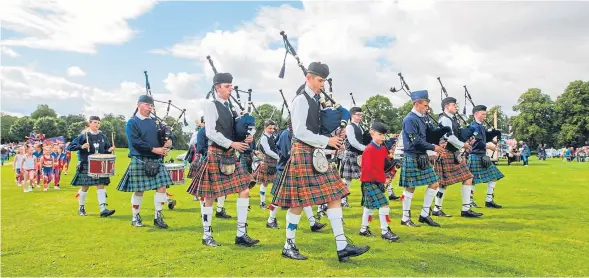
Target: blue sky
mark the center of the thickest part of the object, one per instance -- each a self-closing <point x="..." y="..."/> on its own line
<point x="164" y="25"/>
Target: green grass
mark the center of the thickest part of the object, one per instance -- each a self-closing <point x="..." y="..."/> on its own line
<point x="542" y="231"/>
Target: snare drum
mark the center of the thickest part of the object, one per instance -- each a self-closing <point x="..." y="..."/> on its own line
<point x="176" y="171"/>
<point x="101" y="165"/>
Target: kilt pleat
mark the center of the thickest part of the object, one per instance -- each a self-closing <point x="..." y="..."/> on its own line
<point x="261" y="174"/>
<point x="412" y="176"/>
<point x="449" y="171"/>
<point x="482" y="175"/>
<point x="135" y="179"/>
<point x="372" y="195"/>
<point x="300" y="185"/>
<point x="275" y="186"/>
<point x="194" y="165"/>
<point x="209" y="182"/>
<point x="81" y="178"/>
<point x="349" y="167"/>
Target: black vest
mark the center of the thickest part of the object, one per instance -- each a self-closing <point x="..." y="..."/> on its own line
<point x="271" y="143"/>
<point x="314" y="114"/>
<point x="455" y="131"/>
<point x="225" y="122"/>
<point x="358" y="136"/>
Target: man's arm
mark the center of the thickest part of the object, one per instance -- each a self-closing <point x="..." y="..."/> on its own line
<point x="352" y="138"/>
<point x="211" y="117"/>
<point x="300" y="108"/>
<point x="445" y="121"/>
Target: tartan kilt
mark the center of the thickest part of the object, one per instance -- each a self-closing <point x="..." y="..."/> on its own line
<point x="209" y="182"/>
<point x="449" y="172"/>
<point x="349" y="168"/>
<point x="261" y="173"/>
<point x="300" y="185"/>
<point x="482" y="175"/>
<point x="243" y="159"/>
<point x="372" y="196"/>
<point x="135" y="179"/>
<point x="82" y="179"/>
<point x="412" y="176"/>
<point x="275" y="186"/>
<point x="391" y="174"/>
<point x="194" y="165"/>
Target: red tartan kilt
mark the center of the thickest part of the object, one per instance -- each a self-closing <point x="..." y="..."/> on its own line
<point x="209" y="182"/>
<point x="450" y="172"/>
<point x="302" y="186"/>
<point x="261" y="174"/>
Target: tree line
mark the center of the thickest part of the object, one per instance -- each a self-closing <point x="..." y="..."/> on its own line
<point x="540" y="120"/>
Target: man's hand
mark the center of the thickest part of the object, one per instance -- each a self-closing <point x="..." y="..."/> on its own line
<point x="242" y="147"/>
<point x="335" y="142"/>
<point x="168" y="144"/>
<point x="160" y="151"/>
<point x="249" y="139"/>
<point x="438" y="149"/>
<point x="86" y="146"/>
<point x="492" y="147"/>
<point x="111" y="149"/>
<point x="467" y="146"/>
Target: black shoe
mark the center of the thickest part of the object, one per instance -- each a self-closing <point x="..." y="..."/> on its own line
<point x="390" y="236"/>
<point x="159" y="221"/>
<point x="492" y="204"/>
<point x="440" y="213"/>
<point x="107" y="212"/>
<point x="246" y="241"/>
<point x="409" y="223"/>
<point x="137" y="221"/>
<point x="272" y="225"/>
<point x="471" y="214"/>
<point x="321" y="212"/>
<point x="428" y="220"/>
<point x="209" y="241"/>
<point x="292" y="252"/>
<point x="392" y="197"/>
<point x="82" y="211"/>
<point x="317" y="227"/>
<point x="171" y="204"/>
<point x="474" y="205"/>
<point x="263" y="205"/>
<point x="366" y="233"/>
<point x="222" y="214"/>
<point x="351" y="251"/>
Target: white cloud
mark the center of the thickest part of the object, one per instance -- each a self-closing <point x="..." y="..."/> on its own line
<point x="183" y="84"/>
<point x="70" y="25"/>
<point x="8" y="51"/>
<point x="23" y="89"/>
<point x="75" y="71"/>
<point x="497" y="49"/>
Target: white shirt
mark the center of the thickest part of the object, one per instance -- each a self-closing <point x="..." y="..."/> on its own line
<point x="193" y="139"/>
<point x="300" y="109"/>
<point x="266" y="145"/>
<point x="352" y="138"/>
<point x="452" y="139"/>
<point x="211" y="116"/>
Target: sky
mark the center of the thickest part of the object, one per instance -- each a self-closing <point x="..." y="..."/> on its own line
<point x="89" y="56"/>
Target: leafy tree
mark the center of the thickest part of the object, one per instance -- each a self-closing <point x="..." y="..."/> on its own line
<point x="382" y="109"/>
<point x="47" y="125"/>
<point x="7" y="121"/>
<point x="180" y="138"/>
<point x="75" y="129"/>
<point x="43" y="110"/>
<point x="534" y="122"/>
<point x="267" y="112"/>
<point x="70" y="119"/>
<point x="21" y="128"/>
<point x="572" y="119"/>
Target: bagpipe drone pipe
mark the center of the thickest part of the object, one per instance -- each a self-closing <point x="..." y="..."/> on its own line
<point x="364" y="124"/>
<point x="165" y="132"/>
<point x="466" y="132"/>
<point x="434" y="132"/>
<point x="333" y="116"/>
<point x="491" y="131"/>
<point x="244" y="122"/>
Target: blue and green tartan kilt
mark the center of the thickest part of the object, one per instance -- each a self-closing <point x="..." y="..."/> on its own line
<point x="194" y="165"/>
<point x="482" y="175"/>
<point x="449" y="171"/>
<point x="209" y="182"/>
<point x="300" y="185"/>
<point x="274" y="189"/>
<point x="373" y="196"/>
<point x="135" y="179"/>
<point x="412" y="176"/>
<point x="246" y="161"/>
<point x="82" y="179"/>
<point x="349" y="169"/>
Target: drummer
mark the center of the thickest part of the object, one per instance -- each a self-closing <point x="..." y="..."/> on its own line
<point x="91" y="141"/>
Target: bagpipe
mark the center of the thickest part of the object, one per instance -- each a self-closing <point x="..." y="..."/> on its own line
<point x="244" y="123"/>
<point x="493" y="132"/>
<point x="434" y="132"/>
<point x="466" y="132"/>
<point x="364" y="124"/>
<point x="333" y="115"/>
<point x="164" y="130"/>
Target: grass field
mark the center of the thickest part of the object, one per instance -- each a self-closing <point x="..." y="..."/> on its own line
<point x="541" y="231"/>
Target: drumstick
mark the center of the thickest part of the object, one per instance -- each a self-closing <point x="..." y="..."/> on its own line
<point x="88" y="140"/>
<point x="112" y="136"/>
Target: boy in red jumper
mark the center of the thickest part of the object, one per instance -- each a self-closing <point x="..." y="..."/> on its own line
<point x="375" y="160"/>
